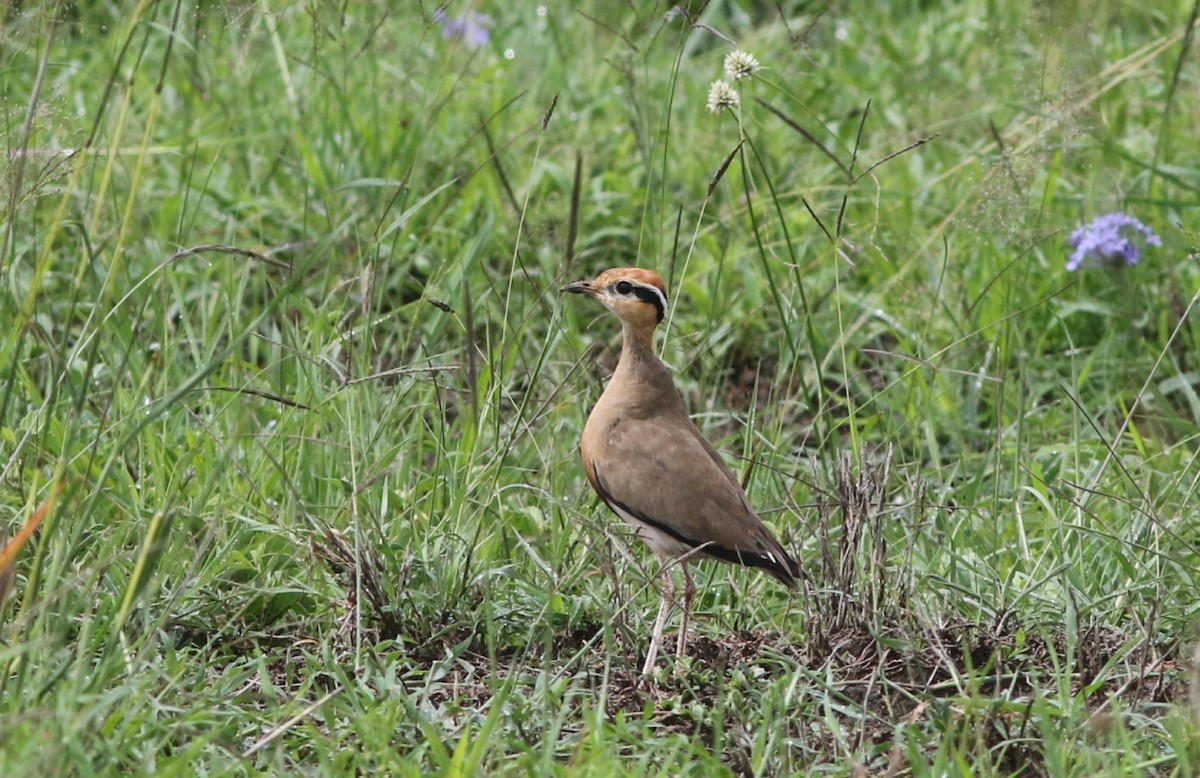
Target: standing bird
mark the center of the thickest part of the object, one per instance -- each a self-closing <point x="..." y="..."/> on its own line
<point x="652" y="466"/>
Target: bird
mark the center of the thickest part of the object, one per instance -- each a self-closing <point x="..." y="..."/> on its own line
<point x="652" y="466"/>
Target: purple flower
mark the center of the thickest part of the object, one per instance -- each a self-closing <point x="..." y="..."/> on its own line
<point x="472" y="28"/>
<point x="1110" y="241"/>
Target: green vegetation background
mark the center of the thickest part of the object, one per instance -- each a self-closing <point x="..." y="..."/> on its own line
<point x="279" y="293"/>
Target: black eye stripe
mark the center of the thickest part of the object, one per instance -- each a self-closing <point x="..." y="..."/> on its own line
<point x="644" y="292"/>
<point x="649" y="294"/>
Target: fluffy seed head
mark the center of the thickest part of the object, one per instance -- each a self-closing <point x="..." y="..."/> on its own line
<point x="721" y="96"/>
<point x="740" y="64"/>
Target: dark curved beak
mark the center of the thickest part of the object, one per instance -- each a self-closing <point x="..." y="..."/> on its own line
<point x="580" y="287"/>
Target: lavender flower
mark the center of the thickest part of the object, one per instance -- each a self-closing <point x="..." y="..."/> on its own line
<point x="1110" y="241"/>
<point x="474" y="29"/>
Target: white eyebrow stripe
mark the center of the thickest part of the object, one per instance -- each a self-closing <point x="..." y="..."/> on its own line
<point x="662" y="298"/>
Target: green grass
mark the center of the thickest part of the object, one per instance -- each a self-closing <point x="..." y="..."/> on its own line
<point x="279" y="287"/>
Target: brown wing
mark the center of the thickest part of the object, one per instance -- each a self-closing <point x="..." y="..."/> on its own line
<point x="636" y="474"/>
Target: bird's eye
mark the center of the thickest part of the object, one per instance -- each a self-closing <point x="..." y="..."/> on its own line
<point x="624" y="287"/>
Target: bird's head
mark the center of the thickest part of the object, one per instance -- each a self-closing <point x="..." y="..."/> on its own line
<point x="638" y="297"/>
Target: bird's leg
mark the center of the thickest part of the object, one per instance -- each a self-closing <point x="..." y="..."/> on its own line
<point x="689" y="593"/>
<point x="660" y="623"/>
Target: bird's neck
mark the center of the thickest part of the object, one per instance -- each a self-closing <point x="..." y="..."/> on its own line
<point x="642" y="375"/>
<point x="637" y="343"/>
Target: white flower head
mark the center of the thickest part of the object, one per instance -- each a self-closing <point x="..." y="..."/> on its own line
<point x="721" y="96"/>
<point x="740" y="64"/>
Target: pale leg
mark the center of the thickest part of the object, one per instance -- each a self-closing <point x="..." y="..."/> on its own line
<point x="660" y="623"/>
<point x="689" y="593"/>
